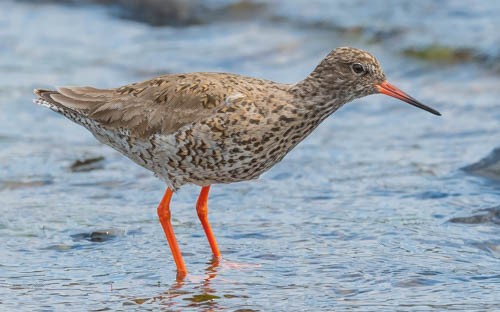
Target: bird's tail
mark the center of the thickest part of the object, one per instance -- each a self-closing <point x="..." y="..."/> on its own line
<point x="44" y="98"/>
<point x="75" y="103"/>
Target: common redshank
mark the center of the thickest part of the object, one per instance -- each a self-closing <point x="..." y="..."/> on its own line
<point x="209" y="128"/>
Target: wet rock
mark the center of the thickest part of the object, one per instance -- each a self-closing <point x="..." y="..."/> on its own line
<point x="140" y="300"/>
<point x="154" y="12"/>
<point x="241" y="10"/>
<point x="175" y="12"/>
<point x="490" y="215"/>
<point x="87" y="164"/>
<point x="202" y="298"/>
<point x="98" y="236"/>
<point x="488" y="167"/>
<point x="160" y="12"/>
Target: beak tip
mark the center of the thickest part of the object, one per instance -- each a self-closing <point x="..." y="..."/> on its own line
<point x="434" y="112"/>
<point x="388" y="89"/>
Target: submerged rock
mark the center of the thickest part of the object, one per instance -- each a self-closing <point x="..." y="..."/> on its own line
<point x="488" y="167"/>
<point x="490" y="215"/>
<point x="98" y="236"/>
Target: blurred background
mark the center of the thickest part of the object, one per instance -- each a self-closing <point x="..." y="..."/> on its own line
<point x="383" y="207"/>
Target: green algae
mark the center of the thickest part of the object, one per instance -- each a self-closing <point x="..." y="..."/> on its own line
<point x="440" y="53"/>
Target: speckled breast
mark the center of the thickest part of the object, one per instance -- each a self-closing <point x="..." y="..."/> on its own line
<point x="239" y="143"/>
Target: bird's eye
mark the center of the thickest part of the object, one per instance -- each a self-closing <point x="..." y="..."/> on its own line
<point x="358" y="68"/>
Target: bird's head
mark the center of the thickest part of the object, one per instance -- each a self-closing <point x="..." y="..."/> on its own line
<point x="350" y="73"/>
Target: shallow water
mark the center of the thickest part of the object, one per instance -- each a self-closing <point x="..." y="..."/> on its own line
<point x="371" y="212"/>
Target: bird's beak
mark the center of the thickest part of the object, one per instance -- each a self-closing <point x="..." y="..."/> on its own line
<point x="388" y="89"/>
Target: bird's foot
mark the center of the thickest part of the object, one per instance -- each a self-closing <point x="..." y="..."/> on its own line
<point x="220" y="263"/>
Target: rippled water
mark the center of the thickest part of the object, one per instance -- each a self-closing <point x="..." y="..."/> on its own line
<point x="371" y="212"/>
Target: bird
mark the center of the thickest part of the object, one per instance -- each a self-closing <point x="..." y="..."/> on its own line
<point x="206" y="128"/>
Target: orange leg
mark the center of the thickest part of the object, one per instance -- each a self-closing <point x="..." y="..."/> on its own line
<point x="164" y="216"/>
<point x="202" y="209"/>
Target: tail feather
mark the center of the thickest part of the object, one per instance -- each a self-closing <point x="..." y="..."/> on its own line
<point x="75" y="110"/>
<point x="66" y="98"/>
<point x="44" y="98"/>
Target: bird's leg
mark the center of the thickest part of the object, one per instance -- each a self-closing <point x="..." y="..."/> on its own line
<point x="202" y="210"/>
<point x="164" y="216"/>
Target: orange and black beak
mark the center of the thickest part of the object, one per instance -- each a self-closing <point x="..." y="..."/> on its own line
<point x="388" y="89"/>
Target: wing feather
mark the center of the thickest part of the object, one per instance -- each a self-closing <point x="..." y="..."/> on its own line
<point x="163" y="104"/>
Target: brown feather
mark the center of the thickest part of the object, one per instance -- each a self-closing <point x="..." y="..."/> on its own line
<point x="163" y="104"/>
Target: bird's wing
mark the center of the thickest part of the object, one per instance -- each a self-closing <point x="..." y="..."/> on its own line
<point x="160" y="105"/>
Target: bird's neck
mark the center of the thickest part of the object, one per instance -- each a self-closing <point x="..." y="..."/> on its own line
<point x="318" y="96"/>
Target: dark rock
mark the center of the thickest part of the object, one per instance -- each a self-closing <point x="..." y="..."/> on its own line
<point x="160" y="12"/>
<point x="88" y="164"/>
<point x="491" y="215"/>
<point x="175" y="12"/>
<point x="154" y="12"/>
<point x="97" y="236"/>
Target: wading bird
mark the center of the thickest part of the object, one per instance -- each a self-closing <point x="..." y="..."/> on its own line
<point x="210" y="128"/>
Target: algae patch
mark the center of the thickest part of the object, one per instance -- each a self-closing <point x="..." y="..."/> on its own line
<point x="440" y="53"/>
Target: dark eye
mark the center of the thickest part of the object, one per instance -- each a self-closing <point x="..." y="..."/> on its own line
<point x="358" y="68"/>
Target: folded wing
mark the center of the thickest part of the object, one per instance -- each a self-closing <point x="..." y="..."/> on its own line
<point x="163" y="104"/>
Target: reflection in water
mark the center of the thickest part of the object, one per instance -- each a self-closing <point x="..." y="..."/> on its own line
<point x="203" y="295"/>
<point x="198" y="291"/>
<point x="207" y="295"/>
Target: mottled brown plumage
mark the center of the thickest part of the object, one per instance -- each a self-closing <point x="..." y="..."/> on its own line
<point x="208" y="128"/>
